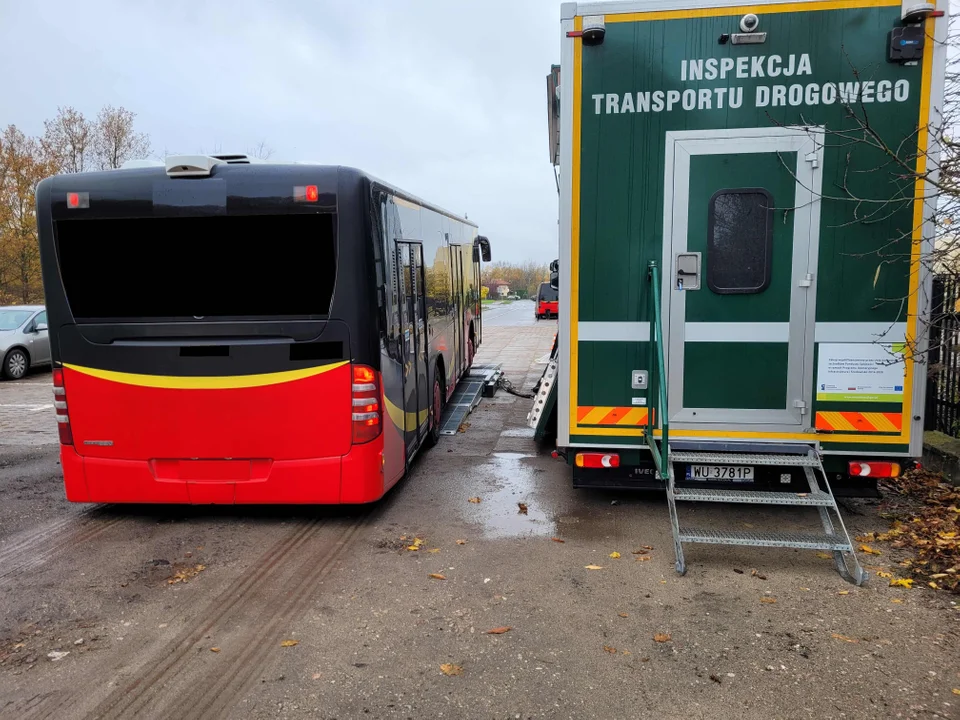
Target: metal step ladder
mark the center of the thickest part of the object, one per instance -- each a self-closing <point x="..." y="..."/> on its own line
<point x="833" y="538"/>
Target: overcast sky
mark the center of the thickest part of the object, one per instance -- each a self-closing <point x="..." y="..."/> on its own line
<point x="445" y="99"/>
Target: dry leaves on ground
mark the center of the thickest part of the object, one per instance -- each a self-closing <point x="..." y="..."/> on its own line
<point x="499" y="630"/>
<point x="869" y="550"/>
<point x="662" y="637"/>
<point x="902" y="582"/>
<point x="461" y="542"/>
<point x="623" y="615"/>
<point x="558" y="540"/>
<point x="474" y="500"/>
<point x="824" y="556"/>
<point x="437" y="576"/>
<point x="522" y="508"/>
<point x="214" y="649"/>
<point x="643" y="558"/>
<point x="185" y="575"/>
<point x="593" y="567"/>
<point x="615" y="555"/>
<point x="417" y="543"/>
<point x="449" y="669"/>
<point x="289" y="643"/>
<point x="838" y="636"/>
<point x="756" y="574"/>
<point x="925" y="512"/>
<point x="768" y="600"/>
<point x="608" y="649"/>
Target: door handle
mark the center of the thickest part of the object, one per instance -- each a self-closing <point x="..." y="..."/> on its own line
<point x="687" y="271"/>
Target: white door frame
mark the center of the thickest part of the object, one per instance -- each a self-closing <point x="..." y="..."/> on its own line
<point x="807" y="143"/>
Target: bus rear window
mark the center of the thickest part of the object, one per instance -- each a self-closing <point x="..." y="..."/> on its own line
<point x="192" y="267"/>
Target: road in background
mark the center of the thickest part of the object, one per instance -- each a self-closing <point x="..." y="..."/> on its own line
<point x="512" y="313"/>
<point x="524" y="598"/>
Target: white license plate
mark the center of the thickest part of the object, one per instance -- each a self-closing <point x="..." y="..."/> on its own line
<point x="722" y="473"/>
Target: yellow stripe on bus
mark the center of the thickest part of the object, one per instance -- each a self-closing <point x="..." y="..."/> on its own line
<point x="226" y="382"/>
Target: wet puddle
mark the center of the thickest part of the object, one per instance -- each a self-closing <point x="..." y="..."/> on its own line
<point x="512" y="481"/>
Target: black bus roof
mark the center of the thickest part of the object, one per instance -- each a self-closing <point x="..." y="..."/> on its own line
<point x="328" y="178"/>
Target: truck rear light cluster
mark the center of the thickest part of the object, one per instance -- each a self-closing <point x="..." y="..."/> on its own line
<point x="874" y="469"/>
<point x="60" y="406"/>
<point x="597" y="460"/>
<point x="365" y="394"/>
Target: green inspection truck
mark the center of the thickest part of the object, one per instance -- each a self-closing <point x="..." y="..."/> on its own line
<point x="742" y="236"/>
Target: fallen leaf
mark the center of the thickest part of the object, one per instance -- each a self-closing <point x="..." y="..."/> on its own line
<point x="623" y="615"/>
<point x="644" y="558"/>
<point x="615" y="555"/>
<point x="716" y="679"/>
<point x="433" y="550"/>
<point x="754" y="573"/>
<point x="18" y="646"/>
<point x="289" y="643"/>
<point x="956" y="691"/>
<point x="437" y="576"/>
<point x="417" y="542"/>
<point x="869" y="537"/>
<point x="825" y="556"/>
<point x="648" y="547"/>
<point x="448" y="669"/>
<point x="902" y="582"/>
<point x="626" y="652"/>
<point x="593" y="567"/>
<point x="662" y="637"/>
<point x="838" y="636"/>
<point x="558" y="540"/>
<point x="523" y="508"/>
<point x="317" y="676"/>
<point x="898" y="601"/>
<point x="640" y="552"/>
<point x="933" y="585"/>
<point x="474" y="500"/>
<point x="184" y="575"/>
<point x="869" y="550"/>
<point x="214" y="649"/>
<point x="611" y="650"/>
<point x="768" y="600"/>
<point x="884" y="574"/>
<point x="738" y="571"/>
<point x="499" y="630"/>
<point x="843" y="592"/>
<point x="461" y="542"/>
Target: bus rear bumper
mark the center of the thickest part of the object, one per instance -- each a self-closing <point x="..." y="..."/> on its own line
<point x="355" y="478"/>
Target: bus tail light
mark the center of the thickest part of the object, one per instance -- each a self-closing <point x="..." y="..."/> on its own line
<point x="874" y="469"/>
<point x="365" y="398"/>
<point x="597" y="460"/>
<point x="60" y="406"/>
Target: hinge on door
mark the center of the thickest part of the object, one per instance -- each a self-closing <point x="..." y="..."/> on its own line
<point x="807" y="280"/>
<point x="801" y="406"/>
<point x="813" y="158"/>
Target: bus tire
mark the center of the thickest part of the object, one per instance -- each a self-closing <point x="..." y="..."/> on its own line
<point x="470" y="352"/>
<point x="436" y="411"/>
<point x="15" y="364"/>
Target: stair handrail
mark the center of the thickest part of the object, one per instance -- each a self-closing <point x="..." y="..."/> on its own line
<point x="660" y="454"/>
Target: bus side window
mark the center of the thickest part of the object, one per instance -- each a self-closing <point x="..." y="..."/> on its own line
<point x="391" y="233"/>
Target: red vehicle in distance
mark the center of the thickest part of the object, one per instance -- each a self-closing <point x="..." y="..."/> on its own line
<point x="548" y="302"/>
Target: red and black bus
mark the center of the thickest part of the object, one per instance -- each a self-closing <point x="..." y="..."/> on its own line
<point x="232" y="332"/>
<point x="548" y="302"/>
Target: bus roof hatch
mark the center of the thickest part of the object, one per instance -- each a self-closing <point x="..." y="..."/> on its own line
<point x="191" y="165"/>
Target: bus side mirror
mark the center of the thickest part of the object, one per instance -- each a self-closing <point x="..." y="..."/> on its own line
<point x="484" y="245"/>
<point x="555" y="275"/>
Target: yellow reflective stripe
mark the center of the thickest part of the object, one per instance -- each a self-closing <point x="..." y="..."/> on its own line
<point x="595" y="416"/>
<point x="634" y="416"/>
<point x="744" y="9"/>
<point x="174" y="382"/>
<point x="880" y="422"/>
<point x="837" y="421"/>
<point x="406" y="421"/>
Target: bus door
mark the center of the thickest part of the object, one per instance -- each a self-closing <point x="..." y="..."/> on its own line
<point x="457" y="298"/>
<point x="413" y="334"/>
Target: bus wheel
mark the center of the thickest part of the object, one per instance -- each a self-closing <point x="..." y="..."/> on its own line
<point x="16" y="364"/>
<point x="436" y="412"/>
<point x="470" y="351"/>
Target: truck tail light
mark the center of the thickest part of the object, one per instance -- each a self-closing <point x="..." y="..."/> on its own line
<point x="597" y="460"/>
<point x="60" y="406"/>
<point x="874" y="469"/>
<point x="365" y="398"/>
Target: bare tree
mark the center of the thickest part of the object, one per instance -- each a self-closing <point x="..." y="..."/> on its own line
<point x="261" y="151"/>
<point x="116" y="141"/>
<point x="69" y="139"/>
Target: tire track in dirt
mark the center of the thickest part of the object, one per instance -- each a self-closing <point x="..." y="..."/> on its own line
<point x="213" y="695"/>
<point x="155" y="687"/>
<point x="32" y="548"/>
